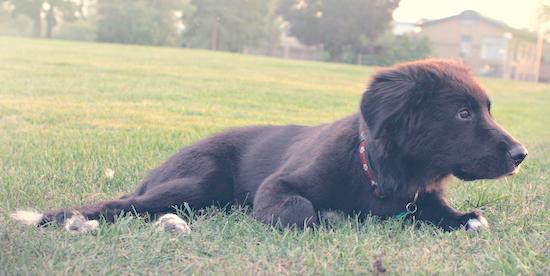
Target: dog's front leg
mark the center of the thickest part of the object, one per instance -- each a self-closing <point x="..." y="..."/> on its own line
<point x="278" y="203"/>
<point x="433" y="207"/>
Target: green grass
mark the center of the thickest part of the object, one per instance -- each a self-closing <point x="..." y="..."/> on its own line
<point x="69" y="111"/>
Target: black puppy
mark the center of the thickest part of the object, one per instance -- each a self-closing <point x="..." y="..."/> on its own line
<point x="418" y="124"/>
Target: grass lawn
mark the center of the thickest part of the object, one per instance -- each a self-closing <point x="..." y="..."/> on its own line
<point x="70" y="111"/>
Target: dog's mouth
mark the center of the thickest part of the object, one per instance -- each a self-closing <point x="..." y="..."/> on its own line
<point x="513" y="172"/>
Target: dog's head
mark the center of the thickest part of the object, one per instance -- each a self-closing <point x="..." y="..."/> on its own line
<point x="434" y="112"/>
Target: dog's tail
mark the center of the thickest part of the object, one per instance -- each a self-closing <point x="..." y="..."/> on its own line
<point x="28" y="217"/>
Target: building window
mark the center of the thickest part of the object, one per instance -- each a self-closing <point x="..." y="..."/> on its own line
<point x="491" y="70"/>
<point x="493" y="48"/>
<point x="465" y="45"/>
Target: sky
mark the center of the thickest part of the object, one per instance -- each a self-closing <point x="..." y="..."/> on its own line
<point x="515" y="13"/>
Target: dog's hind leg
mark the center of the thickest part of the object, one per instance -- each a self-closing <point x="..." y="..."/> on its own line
<point x="198" y="192"/>
<point x="74" y="223"/>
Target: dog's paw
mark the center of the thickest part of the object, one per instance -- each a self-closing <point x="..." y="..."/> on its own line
<point x="331" y="217"/>
<point x="474" y="225"/>
<point x="28" y="217"/>
<point x="78" y="224"/>
<point x="173" y="224"/>
<point x="475" y="222"/>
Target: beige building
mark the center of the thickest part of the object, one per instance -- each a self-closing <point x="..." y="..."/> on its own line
<point x="489" y="47"/>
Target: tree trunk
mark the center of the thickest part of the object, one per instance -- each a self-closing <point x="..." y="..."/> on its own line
<point x="37" y="25"/>
<point x="335" y="54"/>
<point x="215" y="37"/>
<point x="273" y="36"/>
<point x="50" y="21"/>
<point x="359" y="59"/>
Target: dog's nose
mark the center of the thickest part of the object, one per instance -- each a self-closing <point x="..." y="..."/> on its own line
<point x="518" y="154"/>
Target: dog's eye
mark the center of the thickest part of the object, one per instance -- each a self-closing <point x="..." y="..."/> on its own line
<point x="464" y="114"/>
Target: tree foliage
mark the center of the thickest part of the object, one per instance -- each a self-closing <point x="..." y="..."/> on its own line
<point x="139" y="21"/>
<point x="543" y="15"/>
<point x="339" y="25"/>
<point x="390" y="49"/>
<point x="228" y="25"/>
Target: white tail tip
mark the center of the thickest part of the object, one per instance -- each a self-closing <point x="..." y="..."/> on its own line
<point x="28" y="217"/>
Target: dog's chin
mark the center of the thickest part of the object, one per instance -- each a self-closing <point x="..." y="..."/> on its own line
<point x="465" y="176"/>
<point x="469" y="176"/>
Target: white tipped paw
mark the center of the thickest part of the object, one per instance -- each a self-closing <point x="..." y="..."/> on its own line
<point x="28" y="217"/>
<point x="476" y="224"/>
<point x="172" y="223"/>
<point x="78" y="224"/>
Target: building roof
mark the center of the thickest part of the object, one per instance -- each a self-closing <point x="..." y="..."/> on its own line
<point x="475" y="16"/>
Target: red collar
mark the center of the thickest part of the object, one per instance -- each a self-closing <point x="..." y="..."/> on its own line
<point x="365" y="165"/>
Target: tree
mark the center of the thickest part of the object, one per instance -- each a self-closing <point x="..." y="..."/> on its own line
<point x="228" y="25"/>
<point x="543" y="14"/>
<point x="152" y="22"/>
<point x="31" y="9"/>
<point x="390" y="49"/>
<point x="34" y="9"/>
<point x="340" y="26"/>
<point x="67" y="8"/>
<point x="274" y="27"/>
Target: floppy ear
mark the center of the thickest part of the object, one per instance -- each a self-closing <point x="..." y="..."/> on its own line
<point x="392" y="94"/>
<point x="386" y="96"/>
